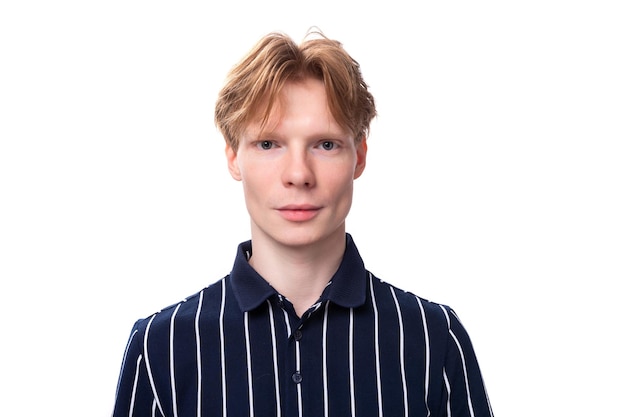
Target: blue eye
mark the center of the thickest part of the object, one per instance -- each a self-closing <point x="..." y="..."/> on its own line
<point x="265" y="144"/>
<point x="328" y="145"/>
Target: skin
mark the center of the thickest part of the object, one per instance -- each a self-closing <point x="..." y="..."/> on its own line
<point x="297" y="178"/>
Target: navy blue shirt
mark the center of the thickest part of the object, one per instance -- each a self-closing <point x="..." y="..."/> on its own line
<point x="237" y="348"/>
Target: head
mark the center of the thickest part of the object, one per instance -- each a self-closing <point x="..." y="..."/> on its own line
<point x="253" y="86"/>
<point x="295" y="120"/>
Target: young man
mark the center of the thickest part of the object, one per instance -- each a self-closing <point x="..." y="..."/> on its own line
<point x="299" y="327"/>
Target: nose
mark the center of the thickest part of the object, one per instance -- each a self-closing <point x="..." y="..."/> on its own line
<point x="298" y="169"/>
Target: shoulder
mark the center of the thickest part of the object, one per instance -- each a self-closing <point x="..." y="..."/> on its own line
<point x="411" y="304"/>
<point x="183" y="310"/>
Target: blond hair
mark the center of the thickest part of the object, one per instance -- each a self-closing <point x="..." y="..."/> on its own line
<point x="253" y="85"/>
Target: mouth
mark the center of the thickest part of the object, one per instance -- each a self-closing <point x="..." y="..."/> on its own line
<point x="298" y="213"/>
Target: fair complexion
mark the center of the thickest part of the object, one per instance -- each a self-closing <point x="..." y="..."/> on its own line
<point x="297" y="176"/>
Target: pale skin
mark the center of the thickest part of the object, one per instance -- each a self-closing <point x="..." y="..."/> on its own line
<point x="297" y="177"/>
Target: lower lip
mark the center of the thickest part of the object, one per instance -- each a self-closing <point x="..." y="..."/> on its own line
<point x="298" y="215"/>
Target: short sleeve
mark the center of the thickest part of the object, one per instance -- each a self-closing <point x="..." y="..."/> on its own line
<point x="134" y="396"/>
<point x="466" y="393"/>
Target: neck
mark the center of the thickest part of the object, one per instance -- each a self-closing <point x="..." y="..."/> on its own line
<point x="299" y="273"/>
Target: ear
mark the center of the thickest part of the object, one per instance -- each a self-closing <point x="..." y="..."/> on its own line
<point x="361" y="154"/>
<point x="233" y="163"/>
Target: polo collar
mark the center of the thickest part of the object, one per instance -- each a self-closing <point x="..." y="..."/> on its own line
<point x="347" y="287"/>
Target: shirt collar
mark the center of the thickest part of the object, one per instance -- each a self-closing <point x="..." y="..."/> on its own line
<point x="347" y="288"/>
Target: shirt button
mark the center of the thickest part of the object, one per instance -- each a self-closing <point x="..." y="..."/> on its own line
<point x="296" y="377"/>
<point x="297" y="335"/>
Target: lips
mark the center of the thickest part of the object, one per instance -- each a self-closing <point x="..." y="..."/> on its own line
<point x="299" y="213"/>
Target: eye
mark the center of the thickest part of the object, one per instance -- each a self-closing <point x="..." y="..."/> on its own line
<point x="328" y="145"/>
<point x="265" y="144"/>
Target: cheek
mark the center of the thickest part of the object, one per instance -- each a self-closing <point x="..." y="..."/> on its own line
<point x="251" y="184"/>
<point x="340" y="182"/>
<point x="255" y="184"/>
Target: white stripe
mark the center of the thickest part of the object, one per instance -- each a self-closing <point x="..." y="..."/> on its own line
<point x="351" y="359"/>
<point x="132" y="397"/>
<point x="198" y="356"/>
<point x="377" y="349"/>
<point x="447" y="382"/>
<point x="427" y="359"/>
<point x="445" y="313"/>
<point x="145" y="351"/>
<point x="299" y="388"/>
<point x="469" y="398"/>
<point x="172" y="374"/>
<point x="130" y="339"/>
<point x="153" y="408"/>
<point x="445" y="375"/>
<point x="222" y="354"/>
<point x="249" y="365"/>
<point x="488" y="402"/>
<point x="287" y="322"/>
<point x="401" y="353"/>
<point x="275" y="358"/>
<point x="299" y="385"/>
<point x="457" y="317"/>
<point x="324" y="357"/>
<point x="484" y="387"/>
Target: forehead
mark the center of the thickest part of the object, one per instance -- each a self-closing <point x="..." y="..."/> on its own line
<point x="300" y="105"/>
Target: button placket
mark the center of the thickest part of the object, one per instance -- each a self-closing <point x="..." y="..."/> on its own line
<point x="296" y="377"/>
<point x="297" y="336"/>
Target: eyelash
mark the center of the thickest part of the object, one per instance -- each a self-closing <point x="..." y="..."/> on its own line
<point x="268" y="144"/>
<point x="262" y="144"/>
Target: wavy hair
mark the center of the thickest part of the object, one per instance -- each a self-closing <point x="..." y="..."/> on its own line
<point x="253" y="85"/>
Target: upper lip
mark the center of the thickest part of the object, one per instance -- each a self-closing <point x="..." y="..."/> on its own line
<point x="299" y="207"/>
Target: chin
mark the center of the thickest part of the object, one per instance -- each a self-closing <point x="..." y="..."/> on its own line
<point x="297" y="240"/>
<point x="298" y="235"/>
<point x="304" y="237"/>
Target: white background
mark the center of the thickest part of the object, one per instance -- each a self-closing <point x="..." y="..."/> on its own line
<point x="496" y="182"/>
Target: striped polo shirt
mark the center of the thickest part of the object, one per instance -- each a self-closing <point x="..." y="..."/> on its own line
<point x="237" y="348"/>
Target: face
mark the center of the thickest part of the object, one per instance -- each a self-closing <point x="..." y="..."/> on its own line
<point x="298" y="173"/>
